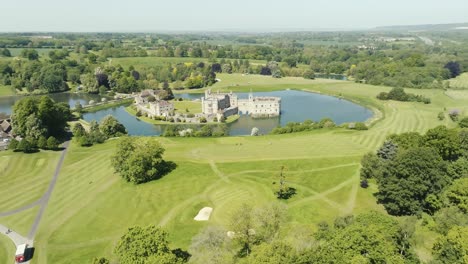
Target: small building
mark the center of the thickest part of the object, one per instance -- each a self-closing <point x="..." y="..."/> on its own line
<point x="149" y="102"/>
<point x="161" y="108"/>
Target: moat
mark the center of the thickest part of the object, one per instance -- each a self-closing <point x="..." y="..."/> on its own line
<point x="296" y="106"/>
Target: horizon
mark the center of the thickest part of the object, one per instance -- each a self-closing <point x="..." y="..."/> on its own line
<point x="211" y="16"/>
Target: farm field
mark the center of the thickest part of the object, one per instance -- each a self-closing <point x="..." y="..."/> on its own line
<point x="91" y="207"/>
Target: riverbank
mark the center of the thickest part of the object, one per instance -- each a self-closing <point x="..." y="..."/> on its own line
<point x="105" y="105"/>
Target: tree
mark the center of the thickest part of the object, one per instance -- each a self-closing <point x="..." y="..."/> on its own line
<point x="453" y="248"/>
<point x="457" y="194"/>
<point x="454" y="68"/>
<point x="26" y="146"/>
<point x="78" y="107"/>
<point x="441" y="116"/>
<point x="101" y="261"/>
<point x="78" y="130"/>
<point x="449" y="217"/>
<point x="445" y="141"/>
<point x="13" y="144"/>
<point x="30" y="54"/>
<point x="309" y="74"/>
<point x="463" y="123"/>
<point x="111" y="127"/>
<point x="371" y="167"/>
<point x="277" y="252"/>
<point x="211" y="245"/>
<point x="52" y="78"/>
<point x="407" y="140"/>
<point x="371" y="238"/>
<point x="284" y="192"/>
<point x="242" y="224"/>
<point x="409" y="179"/>
<point x="388" y="150"/>
<point x="6" y="52"/>
<point x="140" y="160"/>
<point x="42" y="142"/>
<point x="140" y="244"/>
<point x="52" y="143"/>
<point x="291" y="61"/>
<point x="89" y="83"/>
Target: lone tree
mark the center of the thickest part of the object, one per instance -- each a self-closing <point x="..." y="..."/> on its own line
<point x="284" y="191"/>
<point x="140" y="160"/>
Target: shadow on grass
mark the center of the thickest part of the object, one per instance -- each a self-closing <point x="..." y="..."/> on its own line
<point x="29" y="254"/>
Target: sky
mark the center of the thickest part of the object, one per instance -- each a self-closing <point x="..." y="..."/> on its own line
<point x="219" y="15"/>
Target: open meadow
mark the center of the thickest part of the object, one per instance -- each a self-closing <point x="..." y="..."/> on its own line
<point x="91" y="207"/>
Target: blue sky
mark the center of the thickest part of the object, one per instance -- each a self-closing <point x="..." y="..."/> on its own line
<point x="233" y="15"/>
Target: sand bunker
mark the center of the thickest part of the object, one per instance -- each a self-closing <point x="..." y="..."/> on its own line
<point x="204" y="214"/>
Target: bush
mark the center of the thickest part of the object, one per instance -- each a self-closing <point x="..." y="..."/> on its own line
<point x="52" y="143"/>
<point x="463" y="123"/>
<point x="360" y="126"/>
<point x="453" y="114"/>
<point x="441" y="116"/>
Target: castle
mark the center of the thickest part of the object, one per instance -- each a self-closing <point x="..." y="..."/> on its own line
<point x="227" y="104"/>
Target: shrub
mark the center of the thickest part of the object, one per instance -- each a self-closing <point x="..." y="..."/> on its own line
<point x="464" y="122"/>
<point x="454" y="115"/>
<point x="441" y="116"/>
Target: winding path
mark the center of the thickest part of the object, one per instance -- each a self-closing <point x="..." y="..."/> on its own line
<point x="42" y="202"/>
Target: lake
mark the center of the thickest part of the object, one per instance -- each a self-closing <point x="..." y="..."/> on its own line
<point x="296" y="106"/>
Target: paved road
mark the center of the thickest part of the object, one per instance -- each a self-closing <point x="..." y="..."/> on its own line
<point x="42" y="202"/>
<point x="46" y="197"/>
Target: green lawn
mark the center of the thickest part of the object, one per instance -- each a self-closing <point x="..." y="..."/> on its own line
<point x="183" y="106"/>
<point x="7" y="250"/>
<point x="461" y="82"/>
<point x="6" y="90"/>
<point x="91" y="207"/>
<point x="24" y="173"/>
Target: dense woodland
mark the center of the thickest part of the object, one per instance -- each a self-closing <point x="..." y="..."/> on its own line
<point x="85" y="60"/>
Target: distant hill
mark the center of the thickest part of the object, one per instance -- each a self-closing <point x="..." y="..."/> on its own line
<point x="428" y="27"/>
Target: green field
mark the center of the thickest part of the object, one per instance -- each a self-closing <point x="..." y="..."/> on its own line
<point x="20" y="173"/>
<point x="461" y="82"/>
<point x="91" y="207"/>
<point x="7" y="250"/>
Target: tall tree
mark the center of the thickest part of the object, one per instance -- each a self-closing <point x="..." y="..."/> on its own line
<point x="140" y="160"/>
<point x="410" y="179"/>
